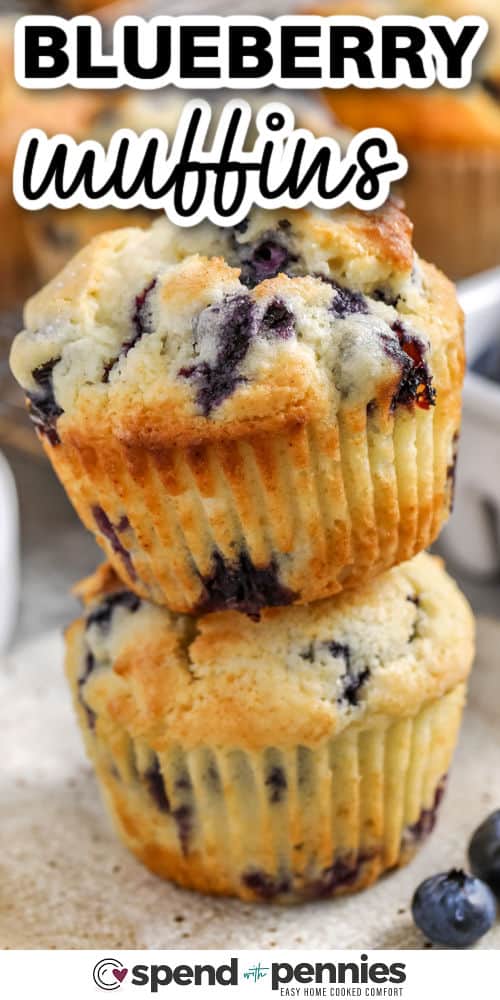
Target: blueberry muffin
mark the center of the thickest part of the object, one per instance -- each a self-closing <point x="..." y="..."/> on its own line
<point x="296" y="757"/>
<point x="451" y="139"/>
<point x="250" y="417"/>
<point x="54" y="236"/>
<point x="20" y="110"/>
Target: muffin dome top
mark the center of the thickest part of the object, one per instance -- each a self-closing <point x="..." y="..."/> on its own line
<point x="296" y="676"/>
<point x="170" y="334"/>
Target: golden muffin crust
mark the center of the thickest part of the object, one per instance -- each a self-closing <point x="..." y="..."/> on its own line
<point x="184" y="282"/>
<point x="298" y="676"/>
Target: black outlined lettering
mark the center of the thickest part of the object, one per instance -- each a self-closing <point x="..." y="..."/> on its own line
<point x="287" y="167"/>
<point x="239" y="52"/>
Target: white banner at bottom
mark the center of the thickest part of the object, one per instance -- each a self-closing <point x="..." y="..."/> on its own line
<point x="412" y="975"/>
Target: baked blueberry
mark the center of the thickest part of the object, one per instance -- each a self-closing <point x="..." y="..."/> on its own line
<point x="241" y="586"/>
<point x="484" y="851"/>
<point x="277" y="784"/>
<point x="415" y="385"/>
<point x="266" y="886"/>
<point x="345" y="301"/>
<point x="277" y="322"/>
<point x="263" y="260"/>
<point x="102" y="614"/>
<point x="89" y="667"/>
<point x="227" y="328"/>
<point x="351" y="680"/>
<point x="156" y="786"/>
<point x="42" y="406"/>
<point x="183" y="817"/>
<point x="428" y="817"/>
<point x="142" y="323"/>
<point x="451" y="471"/>
<point x="454" y="909"/>
<point x="111" y="532"/>
<point x="342" y="873"/>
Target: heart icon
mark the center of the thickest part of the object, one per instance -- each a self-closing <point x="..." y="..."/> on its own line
<point x="120" y="974"/>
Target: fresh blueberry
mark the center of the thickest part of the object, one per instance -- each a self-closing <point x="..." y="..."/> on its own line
<point x="484" y="851"/>
<point x="42" y="406"/>
<point x="454" y="909"/>
<point x="488" y="362"/>
<point x="241" y="586"/>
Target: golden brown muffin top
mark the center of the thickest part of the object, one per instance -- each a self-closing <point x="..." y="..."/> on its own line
<point x="297" y="676"/>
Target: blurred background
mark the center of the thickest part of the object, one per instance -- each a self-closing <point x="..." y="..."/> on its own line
<point x="452" y="192"/>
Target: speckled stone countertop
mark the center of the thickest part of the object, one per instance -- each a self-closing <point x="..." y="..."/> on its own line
<point x="57" y="552"/>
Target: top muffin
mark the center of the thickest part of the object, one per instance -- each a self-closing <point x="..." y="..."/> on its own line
<point x="278" y="401"/>
<point x="205" y="328"/>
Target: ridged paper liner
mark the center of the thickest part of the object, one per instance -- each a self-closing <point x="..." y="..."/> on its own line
<point x="280" y="824"/>
<point x="328" y="504"/>
<point x="453" y="197"/>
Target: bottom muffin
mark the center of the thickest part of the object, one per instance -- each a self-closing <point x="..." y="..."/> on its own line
<point x="294" y="757"/>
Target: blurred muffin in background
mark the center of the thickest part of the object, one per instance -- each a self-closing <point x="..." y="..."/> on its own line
<point x="55" y="235"/>
<point x="74" y="7"/>
<point x="52" y="111"/>
<point x="451" y="137"/>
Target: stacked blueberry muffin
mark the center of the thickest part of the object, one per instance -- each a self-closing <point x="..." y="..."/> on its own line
<point x="260" y="427"/>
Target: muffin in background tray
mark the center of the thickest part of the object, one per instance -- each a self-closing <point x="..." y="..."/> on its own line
<point x="298" y="757"/>
<point x="451" y="139"/>
<point x="56" y="111"/>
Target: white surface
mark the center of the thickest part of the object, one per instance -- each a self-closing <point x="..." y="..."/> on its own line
<point x="472" y="538"/>
<point x="67" y="883"/>
<point x="9" y="554"/>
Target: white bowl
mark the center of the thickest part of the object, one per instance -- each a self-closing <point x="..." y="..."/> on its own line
<point x="472" y="537"/>
<point x="9" y="554"/>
